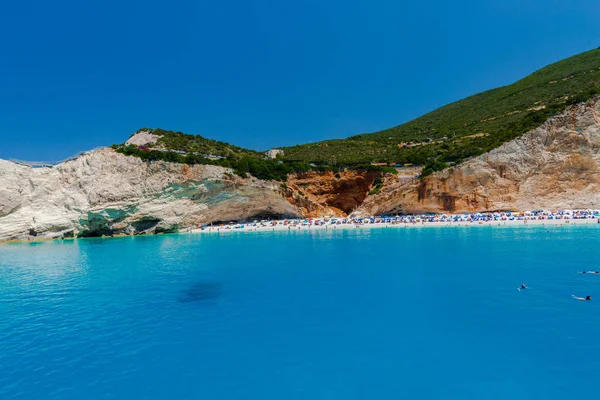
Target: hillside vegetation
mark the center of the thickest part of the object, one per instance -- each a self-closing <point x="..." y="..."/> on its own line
<point x="471" y="126"/>
<point x="445" y="136"/>
<point x="179" y="147"/>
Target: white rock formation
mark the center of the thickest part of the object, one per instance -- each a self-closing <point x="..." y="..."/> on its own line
<point x="142" y="138"/>
<point x="104" y="192"/>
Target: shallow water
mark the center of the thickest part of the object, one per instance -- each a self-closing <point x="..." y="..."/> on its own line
<point x="382" y="314"/>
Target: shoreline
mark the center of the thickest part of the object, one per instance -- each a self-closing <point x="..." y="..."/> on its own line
<point x="401" y="225"/>
<point x="281" y="227"/>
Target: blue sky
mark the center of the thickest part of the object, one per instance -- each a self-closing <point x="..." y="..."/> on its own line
<point x="75" y="75"/>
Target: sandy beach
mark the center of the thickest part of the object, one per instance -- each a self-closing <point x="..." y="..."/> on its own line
<point x="279" y="226"/>
<point x="405" y="222"/>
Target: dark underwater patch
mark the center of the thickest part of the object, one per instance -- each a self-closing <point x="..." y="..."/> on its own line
<point x="201" y="291"/>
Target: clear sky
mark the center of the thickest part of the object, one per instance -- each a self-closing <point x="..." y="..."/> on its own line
<point x="260" y="73"/>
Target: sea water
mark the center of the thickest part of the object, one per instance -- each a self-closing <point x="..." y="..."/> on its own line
<point x="394" y="313"/>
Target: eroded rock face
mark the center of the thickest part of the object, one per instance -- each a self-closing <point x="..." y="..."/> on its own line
<point x="552" y="167"/>
<point x="320" y="194"/>
<point x="103" y="192"/>
<point x="142" y="138"/>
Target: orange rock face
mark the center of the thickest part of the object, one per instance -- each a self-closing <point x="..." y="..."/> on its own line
<point x="321" y="194"/>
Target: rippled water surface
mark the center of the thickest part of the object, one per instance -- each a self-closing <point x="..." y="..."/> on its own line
<point x="427" y="313"/>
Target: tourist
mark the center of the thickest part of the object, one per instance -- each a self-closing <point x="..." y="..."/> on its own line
<point x="582" y="298"/>
<point x="523" y="287"/>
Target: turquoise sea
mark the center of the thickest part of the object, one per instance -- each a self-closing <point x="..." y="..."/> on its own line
<point x="430" y="313"/>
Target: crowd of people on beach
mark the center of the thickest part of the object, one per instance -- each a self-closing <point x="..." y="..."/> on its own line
<point x="422" y="219"/>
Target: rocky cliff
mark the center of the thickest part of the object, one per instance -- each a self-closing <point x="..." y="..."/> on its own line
<point x="320" y="194"/>
<point x="552" y="167"/>
<point x="103" y="192"/>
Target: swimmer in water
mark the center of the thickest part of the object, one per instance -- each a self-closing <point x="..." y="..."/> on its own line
<point x="582" y="298"/>
<point x="523" y="287"/>
<point x="590" y="272"/>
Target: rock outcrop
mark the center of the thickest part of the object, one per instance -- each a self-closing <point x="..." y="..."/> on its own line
<point x="321" y="194"/>
<point x="106" y="193"/>
<point x="555" y="166"/>
<point x="142" y="138"/>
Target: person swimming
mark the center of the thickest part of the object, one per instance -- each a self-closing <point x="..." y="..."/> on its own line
<point x="582" y="298"/>
<point x="590" y="272"/>
<point x="523" y="287"/>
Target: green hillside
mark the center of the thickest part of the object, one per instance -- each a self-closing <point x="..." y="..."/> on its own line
<point x="450" y="134"/>
<point x="470" y="126"/>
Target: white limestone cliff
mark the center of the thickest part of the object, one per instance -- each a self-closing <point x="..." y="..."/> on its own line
<point x="104" y="192"/>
